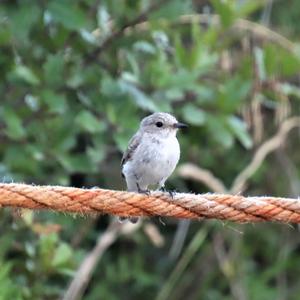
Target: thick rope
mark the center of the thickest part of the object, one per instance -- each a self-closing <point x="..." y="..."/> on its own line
<point x="120" y="203"/>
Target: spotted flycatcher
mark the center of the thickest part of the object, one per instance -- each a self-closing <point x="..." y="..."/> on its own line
<point x="152" y="154"/>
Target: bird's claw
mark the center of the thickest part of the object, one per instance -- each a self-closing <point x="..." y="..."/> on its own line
<point x="171" y="193"/>
<point x="146" y="192"/>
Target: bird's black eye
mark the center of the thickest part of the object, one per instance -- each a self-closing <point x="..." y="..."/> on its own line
<point x="159" y="124"/>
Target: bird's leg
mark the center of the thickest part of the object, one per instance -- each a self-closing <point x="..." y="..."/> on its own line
<point x="163" y="189"/>
<point x="147" y="192"/>
<point x="171" y="193"/>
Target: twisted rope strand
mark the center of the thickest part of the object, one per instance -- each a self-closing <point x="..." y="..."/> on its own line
<point x="235" y="208"/>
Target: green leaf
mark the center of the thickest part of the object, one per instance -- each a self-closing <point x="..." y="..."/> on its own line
<point x="57" y="103"/>
<point x="62" y="255"/>
<point x="246" y="8"/>
<point x="225" y="10"/>
<point x="140" y="98"/>
<point x="67" y="14"/>
<point x="173" y="9"/>
<point x="8" y="288"/>
<point x="280" y="62"/>
<point x="96" y="154"/>
<point x="193" y="115"/>
<point x="23" y="19"/>
<point x="121" y="139"/>
<point x="88" y="122"/>
<point x="183" y="79"/>
<point x="219" y="132"/>
<point x="5" y="35"/>
<point x="239" y="129"/>
<point x="145" y="47"/>
<point x="77" y="163"/>
<point x="180" y="52"/>
<point x="53" y="70"/>
<point x="232" y="93"/>
<point x="110" y="87"/>
<point x="21" y="161"/>
<point x="47" y="245"/>
<point x="14" y="127"/>
<point x="26" y="74"/>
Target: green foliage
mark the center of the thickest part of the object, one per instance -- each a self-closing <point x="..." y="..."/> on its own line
<point x="8" y="289"/>
<point x="77" y="77"/>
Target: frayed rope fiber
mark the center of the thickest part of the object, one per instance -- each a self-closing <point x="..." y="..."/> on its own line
<point x="121" y="203"/>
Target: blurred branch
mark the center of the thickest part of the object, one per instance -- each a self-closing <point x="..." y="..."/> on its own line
<point x="154" y="235"/>
<point x="256" y="29"/>
<point x="267" y="147"/>
<point x="118" y="33"/>
<point x="179" y="238"/>
<point x="85" y="271"/>
<point x="191" y="171"/>
<point x="82" y="232"/>
<point x="226" y="264"/>
<point x="290" y="170"/>
<point x="182" y="264"/>
<point x="243" y="25"/>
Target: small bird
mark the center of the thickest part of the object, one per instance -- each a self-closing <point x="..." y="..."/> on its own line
<point x="152" y="154"/>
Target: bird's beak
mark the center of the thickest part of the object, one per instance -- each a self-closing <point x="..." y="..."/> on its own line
<point x="180" y="125"/>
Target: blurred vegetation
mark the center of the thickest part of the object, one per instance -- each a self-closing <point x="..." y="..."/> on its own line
<point x="77" y="77"/>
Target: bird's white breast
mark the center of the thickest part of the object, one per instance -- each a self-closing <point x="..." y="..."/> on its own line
<point x="155" y="159"/>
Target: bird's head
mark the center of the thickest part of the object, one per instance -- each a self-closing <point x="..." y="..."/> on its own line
<point x="162" y="124"/>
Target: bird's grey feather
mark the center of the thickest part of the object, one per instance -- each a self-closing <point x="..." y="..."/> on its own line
<point x="152" y="153"/>
<point x="132" y="146"/>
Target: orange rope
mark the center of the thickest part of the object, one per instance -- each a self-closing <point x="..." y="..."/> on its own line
<point x="121" y="203"/>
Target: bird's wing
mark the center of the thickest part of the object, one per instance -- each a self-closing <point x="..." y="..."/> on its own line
<point x="132" y="146"/>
